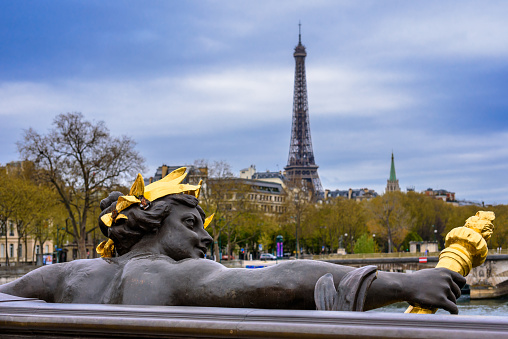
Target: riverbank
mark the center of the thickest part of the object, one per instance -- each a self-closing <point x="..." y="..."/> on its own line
<point x="489" y="307"/>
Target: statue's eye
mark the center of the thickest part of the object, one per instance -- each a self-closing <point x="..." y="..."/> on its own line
<point x="189" y="222"/>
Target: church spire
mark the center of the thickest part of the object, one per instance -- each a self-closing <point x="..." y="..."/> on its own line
<point x="392" y="170"/>
<point x="392" y="183"/>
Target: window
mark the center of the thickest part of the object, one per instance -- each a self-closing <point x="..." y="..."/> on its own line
<point x="2" y="250"/>
<point x="11" y="228"/>
<point x="20" y="251"/>
<point x="11" y="250"/>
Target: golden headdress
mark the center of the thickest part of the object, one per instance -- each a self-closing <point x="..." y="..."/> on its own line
<point x="139" y="194"/>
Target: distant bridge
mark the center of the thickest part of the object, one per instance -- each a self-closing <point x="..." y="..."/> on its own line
<point x="490" y="280"/>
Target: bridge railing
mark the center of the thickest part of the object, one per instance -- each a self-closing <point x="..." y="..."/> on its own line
<point x="32" y="319"/>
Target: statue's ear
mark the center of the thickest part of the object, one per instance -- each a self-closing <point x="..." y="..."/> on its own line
<point x="151" y="219"/>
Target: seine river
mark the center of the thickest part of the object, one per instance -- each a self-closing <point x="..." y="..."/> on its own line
<point x="466" y="306"/>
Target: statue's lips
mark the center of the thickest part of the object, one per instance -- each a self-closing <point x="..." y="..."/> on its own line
<point x="202" y="249"/>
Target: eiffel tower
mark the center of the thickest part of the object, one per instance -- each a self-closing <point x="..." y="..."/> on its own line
<point x="301" y="165"/>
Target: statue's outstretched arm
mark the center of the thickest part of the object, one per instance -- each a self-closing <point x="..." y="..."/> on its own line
<point x="290" y="285"/>
<point x="39" y="283"/>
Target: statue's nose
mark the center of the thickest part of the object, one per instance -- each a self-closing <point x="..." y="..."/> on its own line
<point x="206" y="239"/>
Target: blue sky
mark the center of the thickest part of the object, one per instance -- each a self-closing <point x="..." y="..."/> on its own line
<point x="214" y="79"/>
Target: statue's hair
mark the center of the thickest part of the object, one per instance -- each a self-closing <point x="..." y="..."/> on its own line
<point x="127" y="232"/>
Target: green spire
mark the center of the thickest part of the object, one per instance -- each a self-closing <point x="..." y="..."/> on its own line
<point x="392" y="171"/>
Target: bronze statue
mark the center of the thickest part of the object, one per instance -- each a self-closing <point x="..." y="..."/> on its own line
<point x="159" y="235"/>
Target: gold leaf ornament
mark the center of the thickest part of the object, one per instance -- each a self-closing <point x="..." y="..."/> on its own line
<point x="138" y="187"/>
<point x="208" y="221"/>
<point x="106" y="248"/>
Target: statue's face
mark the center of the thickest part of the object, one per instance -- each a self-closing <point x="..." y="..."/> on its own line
<point x="182" y="235"/>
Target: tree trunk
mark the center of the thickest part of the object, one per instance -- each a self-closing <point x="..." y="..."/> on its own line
<point x="82" y="247"/>
<point x="216" y="253"/>
<point x="33" y="252"/>
<point x="6" y="246"/>
<point x="26" y="250"/>
<point x="297" y="253"/>
<point x="82" y="235"/>
<point x="229" y="250"/>
<point x="389" y="234"/>
<point x="19" y="243"/>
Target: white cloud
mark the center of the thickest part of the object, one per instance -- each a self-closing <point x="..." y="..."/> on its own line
<point x="462" y="30"/>
<point x="357" y="92"/>
<point x="222" y="100"/>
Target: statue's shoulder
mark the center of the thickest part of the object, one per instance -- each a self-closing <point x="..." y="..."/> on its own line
<point x="86" y="269"/>
<point x="145" y="262"/>
<point x="97" y="263"/>
<point x="161" y="264"/>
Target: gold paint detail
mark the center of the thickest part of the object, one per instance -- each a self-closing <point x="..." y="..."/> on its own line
<point x="199" y="189"/>
<point x="138" y="187"/>
<point x="208" y="221"/>
<point x="106" y="248"/>
<point x="466" y="248"/>
<point x="482" y="223"/>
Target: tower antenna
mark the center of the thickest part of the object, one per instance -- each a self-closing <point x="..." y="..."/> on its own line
<point x="300" y="32"/>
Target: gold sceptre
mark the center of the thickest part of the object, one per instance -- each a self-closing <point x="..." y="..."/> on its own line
<point x="466" y="247"/>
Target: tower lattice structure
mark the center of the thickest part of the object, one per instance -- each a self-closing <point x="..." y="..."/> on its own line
<point x="301" y="164"/>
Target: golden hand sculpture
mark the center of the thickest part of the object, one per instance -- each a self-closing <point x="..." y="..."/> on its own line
<point x="466" y="247"/>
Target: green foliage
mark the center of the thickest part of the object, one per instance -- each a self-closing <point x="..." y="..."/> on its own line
<point x="404" y="217"/>
<point x="411" y="236"/>
<point x="365" y="244"/>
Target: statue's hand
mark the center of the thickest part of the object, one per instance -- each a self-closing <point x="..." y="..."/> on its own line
<point x="435" y="288"/>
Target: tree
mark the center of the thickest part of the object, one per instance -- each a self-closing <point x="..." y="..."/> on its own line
<point x="81" y="160"/>
<point x="297" y="205"/>
<point x="365" y="244"/>
<point x="227" y="197"/>
<point x="9" y="202"/>
<point x="430" y="215"/>
<point x="351" y="220"/>
<point x="411" y="236"/>
<point x="500" y="236"/>
<point x="38" y="205"/>
<point x="390" y="219"/>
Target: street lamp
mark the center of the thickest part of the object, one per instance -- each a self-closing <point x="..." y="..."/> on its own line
<point x="345" y="245"/>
